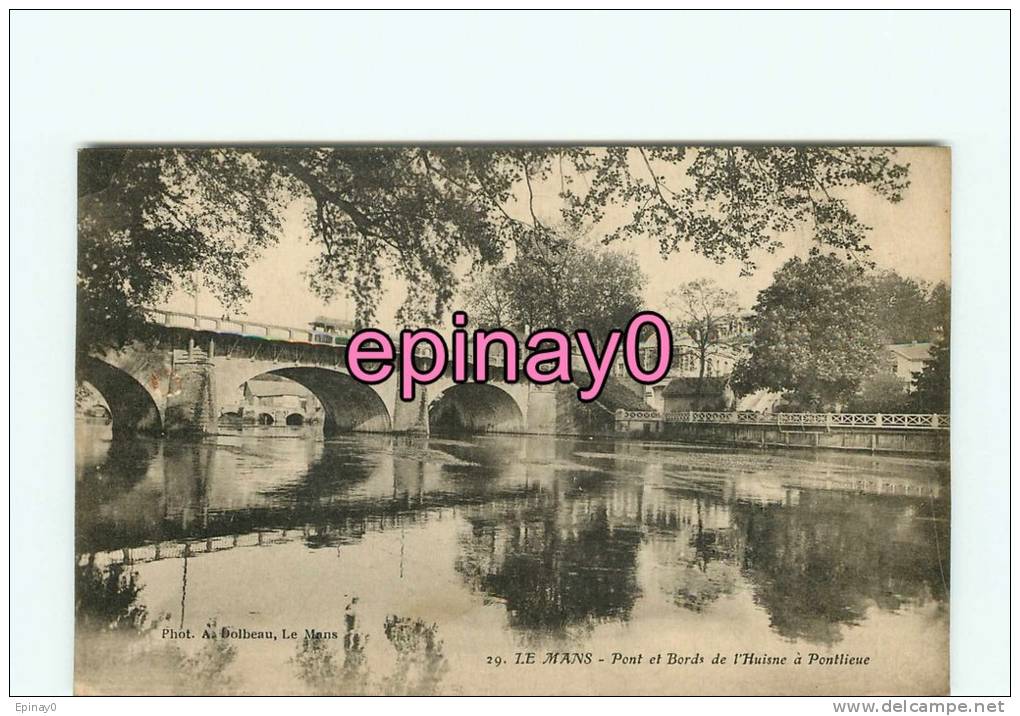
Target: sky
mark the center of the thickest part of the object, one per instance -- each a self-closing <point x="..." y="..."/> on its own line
<point x="910" y="237"/>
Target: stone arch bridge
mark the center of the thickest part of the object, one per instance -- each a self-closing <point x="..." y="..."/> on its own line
<point x="182" y="379"/>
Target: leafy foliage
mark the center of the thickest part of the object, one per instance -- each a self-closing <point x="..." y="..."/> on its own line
<point x="931" y="384"/>
<point x="735" y="200"/>
<point x="151" y="218"/>
<point x="815" y="333"/>
<point x="573" y="288"/>
<point x="880" y="392"/>
<point x="908" y="310"/>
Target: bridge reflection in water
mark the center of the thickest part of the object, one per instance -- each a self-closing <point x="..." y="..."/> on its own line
<point x="499" y="544"/>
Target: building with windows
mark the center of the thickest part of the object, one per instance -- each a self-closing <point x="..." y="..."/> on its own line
<point x="271" y="400"/>
<point x="905" y="359"/>
<point x="727" y="347"/>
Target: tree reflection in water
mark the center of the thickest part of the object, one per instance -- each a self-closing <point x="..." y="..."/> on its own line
<point x="557" y="569"/>
<point x="105" y="478"/>
<point x="319" y="668"/>
<point x="419" y="664"/>
<point x="820" y="567"/>
<point x="816" y="565"/>
<point x="113" y="651"/>
<point x="567" y="535"/>
<point x="107" y="600"/>
<point x="699" y="564"/>
<point x="205" y="668"/>
<point x="331" y="478"/>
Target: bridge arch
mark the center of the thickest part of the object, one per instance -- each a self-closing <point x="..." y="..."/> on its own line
<point x="348" y="404"/>
<point x="475" y="408"/>
<point x="133" y="409"/>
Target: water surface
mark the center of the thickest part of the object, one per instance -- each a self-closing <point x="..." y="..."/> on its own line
<point x="436" y="565"/>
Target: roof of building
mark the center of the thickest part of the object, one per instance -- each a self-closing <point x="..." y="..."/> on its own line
<point x="685" y="387"/>
<point x="760" y="401"/>
<point x="917" y="352"/>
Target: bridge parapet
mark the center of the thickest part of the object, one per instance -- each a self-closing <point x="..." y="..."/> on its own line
<point x="269" y="331"/>
<point x="231" y="326"/>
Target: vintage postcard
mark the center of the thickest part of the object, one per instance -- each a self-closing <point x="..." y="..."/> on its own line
<point x="512" y="419"/>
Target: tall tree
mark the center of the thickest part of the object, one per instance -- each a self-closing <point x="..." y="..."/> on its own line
<point x="939" y="306"/>
<point x="489" y="299"/>
<point x="700" y="309"/>
<point x="815" y="334"/>
<point x="151" y="218"/>
<point x="908" y="310"/>
<point x="931" y="384"/>
<point x="576" y="287"/>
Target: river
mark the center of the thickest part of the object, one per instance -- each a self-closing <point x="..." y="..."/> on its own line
<point x="390" y="564"/>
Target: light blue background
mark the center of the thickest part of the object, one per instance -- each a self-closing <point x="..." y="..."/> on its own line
<point x="180" y="77"/>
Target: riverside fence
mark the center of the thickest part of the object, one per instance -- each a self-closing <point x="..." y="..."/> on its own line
<point x="926" y="433"/>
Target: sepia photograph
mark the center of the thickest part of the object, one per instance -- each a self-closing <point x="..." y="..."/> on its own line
<point x="499" y="359"/>
<point x="512" y="419"/>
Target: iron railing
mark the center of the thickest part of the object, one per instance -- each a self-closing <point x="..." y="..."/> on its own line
<point x="898" y="421"/>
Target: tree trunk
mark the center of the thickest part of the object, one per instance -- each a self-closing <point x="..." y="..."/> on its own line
<point x="702" y="358"/>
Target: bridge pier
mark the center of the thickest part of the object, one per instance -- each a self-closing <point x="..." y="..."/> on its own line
<point x="190" y="405"/>
<point x="411" y="417"/>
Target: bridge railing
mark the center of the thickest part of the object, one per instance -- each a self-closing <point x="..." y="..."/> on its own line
<point x="897" y="421"/>
<point x="269" y="331"/>
<point x="237" y="326"/>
